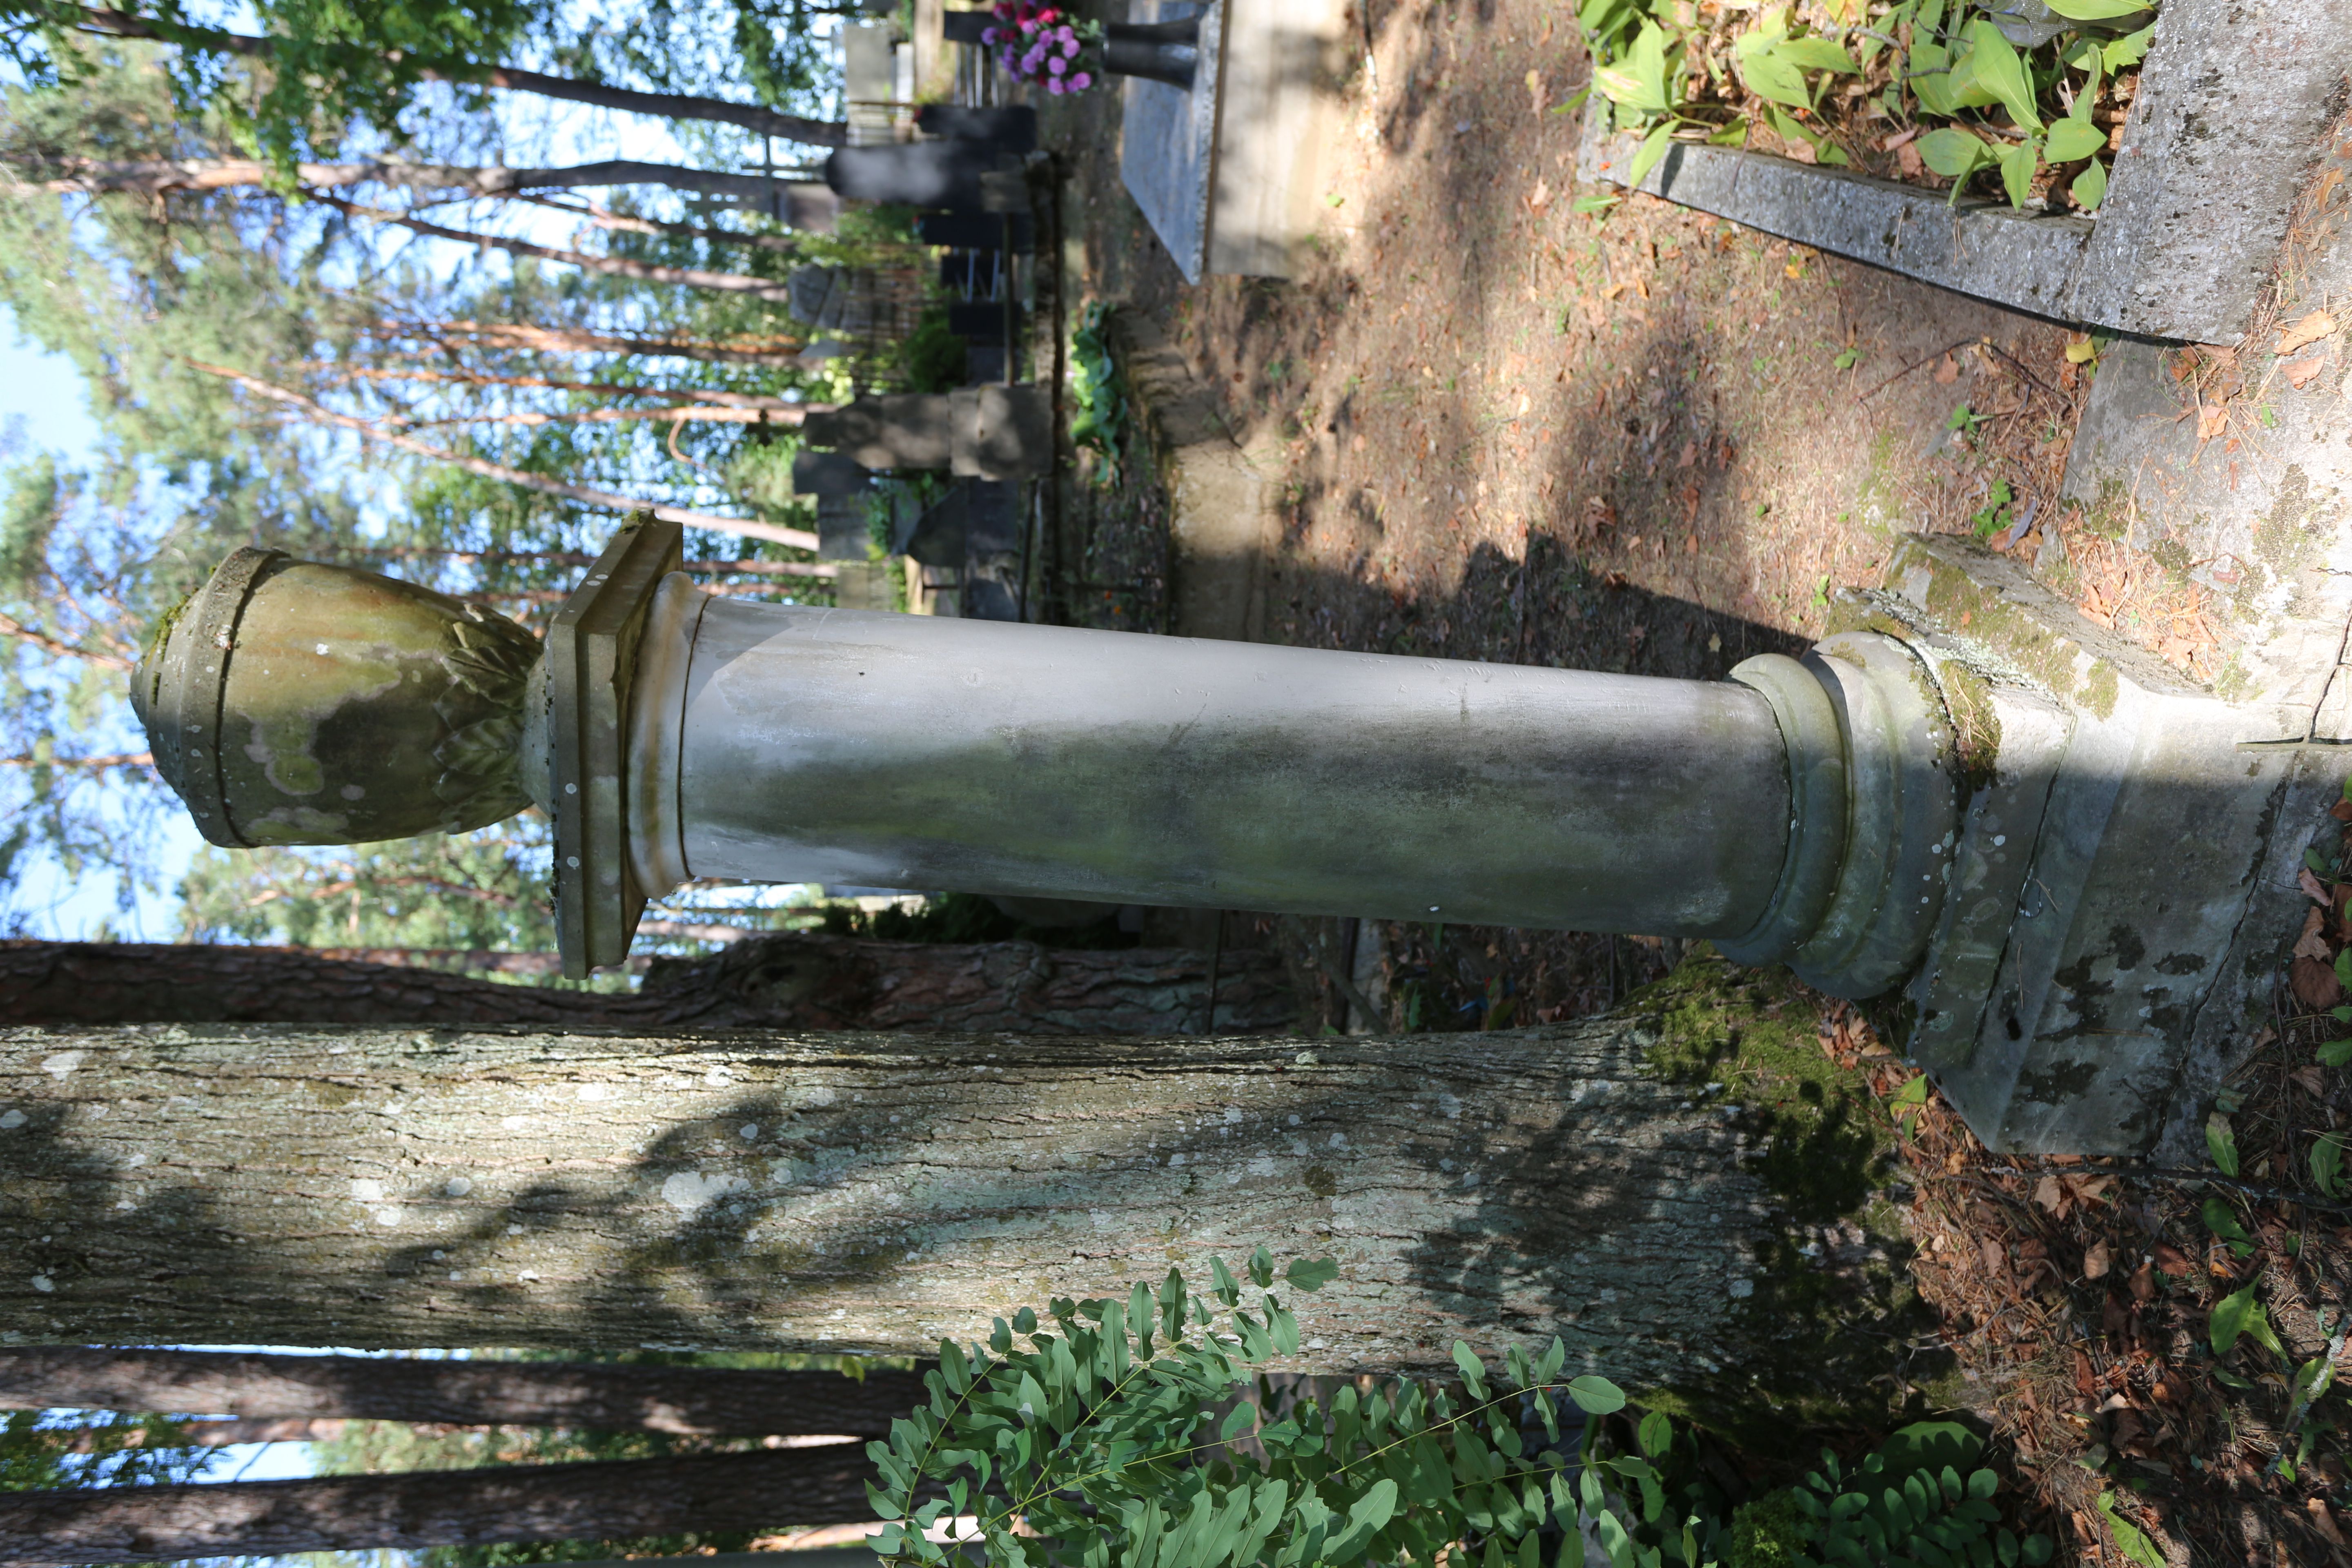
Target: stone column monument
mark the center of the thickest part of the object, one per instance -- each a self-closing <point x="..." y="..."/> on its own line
<point x="2055" y="841"/>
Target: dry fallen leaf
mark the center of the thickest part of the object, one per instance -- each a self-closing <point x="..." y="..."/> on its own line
<point x="1539" y="199"/>
<point x="1994" y="1258"/>
<point x="2313" y="943"/>
<point x="2095" y="1261"/>
<point x="2314" y="982"/>
<point x="2309" y="330"/>
<point x="2173" y="1261"/>
<point x="2142" y="1283"/>
<point x="2299" y="372"/>
<point x="2048" y="1194"/>
<point x="1689" y="455"/>
<point x="2312" y="1078"/>
<point x="2323" y="1521"/>
<point x="1908" y="159"/>
<point x="2211" y="418"/>
<point x="2309" y="882"/>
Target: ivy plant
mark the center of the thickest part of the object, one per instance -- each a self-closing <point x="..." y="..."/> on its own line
<point x="2009" y="86"/>
<point x="1136" y="1431"/>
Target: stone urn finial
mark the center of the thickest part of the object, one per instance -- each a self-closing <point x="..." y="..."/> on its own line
<point x="289" y="703"/>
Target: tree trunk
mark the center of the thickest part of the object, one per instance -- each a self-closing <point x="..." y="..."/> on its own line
<point x="582" y="340"/>
<point x="666" y="105"/>
<point x="585" y="1395"/>
<point x="766" y="288"/>
<point x="774" y="981"/>
<point x="154" y="176"/>
<point x="594" y="388"/>
<point x="875" y="1194"/>
<point x="796" y="538"/>
<point x="596" y="1500"/>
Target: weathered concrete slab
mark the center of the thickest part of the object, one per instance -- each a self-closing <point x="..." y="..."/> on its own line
<point x="2234" y="107"/>
<point x="1221" y="520"/>
<point x="1229" y="173"/>
<point x="1166" y="154"/>
<point x="2020" y="260"/>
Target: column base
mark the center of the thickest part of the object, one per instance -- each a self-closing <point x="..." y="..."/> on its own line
<point x="2124" y="878"/>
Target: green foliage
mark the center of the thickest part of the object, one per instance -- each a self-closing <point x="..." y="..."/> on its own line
<point x="934" y="356"/>
<point x="477" y="891"/>
<point x="1665" y="73"/>
<point x="1097" y="394"/>
<point x="968" y="917"/>
<point x="40" y="1454"/>
<point x="1132" y="1431"/>
<point x="328" y="59"/>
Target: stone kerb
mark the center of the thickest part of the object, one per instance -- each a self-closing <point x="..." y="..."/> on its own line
<point x="2233" y="108"/>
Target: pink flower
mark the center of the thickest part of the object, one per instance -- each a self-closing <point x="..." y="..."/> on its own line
<point x="988" y="35"/>
<point x="1070" y="49"/>
<point x="1080" y="82"/>
<point x="1066" y="35"/>
<point x="1057" y="65"/>
<point x="1054" y="84"/>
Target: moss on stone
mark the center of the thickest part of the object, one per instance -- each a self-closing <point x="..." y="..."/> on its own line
<point x="1833" y="1312"/>
<point x="1976" y="725"/>
<point x="1769" y="1533"/>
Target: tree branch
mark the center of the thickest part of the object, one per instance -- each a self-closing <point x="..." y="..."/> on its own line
<point x="797" y="538"/>
<point x="596" y="388"/>
<point x="611" y="266"/>
<point x="152" y="176"/>
<point x="13" y="627"/>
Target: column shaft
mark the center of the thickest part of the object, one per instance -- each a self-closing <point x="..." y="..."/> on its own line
<point x="895" y="751"/>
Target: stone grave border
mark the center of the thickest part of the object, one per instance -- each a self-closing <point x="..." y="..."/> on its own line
<point x="2232" y="114"/>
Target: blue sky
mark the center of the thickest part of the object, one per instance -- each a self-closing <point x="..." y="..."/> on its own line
<point x="43" y="402"/>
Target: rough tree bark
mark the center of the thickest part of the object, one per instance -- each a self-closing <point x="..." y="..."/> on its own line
<point x="598" y="1500"/>
<point x="154" y="176"/>
<point x="664" y="105"/>
<point x="447" y="337"/>
<point x="766" y="288"/>
<point x="797" y="538"/>
<point x="877" y="1193"/>
<point x="775" y="982"/>
<point x="588" y="1396"/>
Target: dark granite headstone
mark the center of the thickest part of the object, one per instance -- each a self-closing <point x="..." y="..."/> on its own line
<point x="980" y="322"/>
<point x="919" y="174"/>
<point x="982" y="363"/>
<point x="994" y="528"/>
<point x="975" y="231"/>
<point x="986" y="599"/>
<point x="1012" y="128"/>
<point x="936" y="536"/>
<point x="966" y="27"/>
<point x="827" y="473"/>
<point x="841" y="534"/>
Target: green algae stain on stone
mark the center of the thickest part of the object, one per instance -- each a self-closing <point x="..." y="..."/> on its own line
<point x="1831" y="1310"/>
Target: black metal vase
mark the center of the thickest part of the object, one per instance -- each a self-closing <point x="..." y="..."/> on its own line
<point x="1157" y="51"/>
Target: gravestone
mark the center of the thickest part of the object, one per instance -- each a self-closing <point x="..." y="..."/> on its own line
<point x="1230" y="172"/>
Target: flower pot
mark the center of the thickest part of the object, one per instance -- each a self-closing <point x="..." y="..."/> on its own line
<point x="1157" y="51"/>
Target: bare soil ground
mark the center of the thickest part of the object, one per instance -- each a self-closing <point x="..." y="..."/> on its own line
<point x="1644" y="440"/>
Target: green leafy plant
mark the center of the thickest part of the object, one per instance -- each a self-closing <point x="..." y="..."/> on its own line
<point x="2327" y="1164"/>
<point x="2239" y="1316"/>
<point x="2006" y="95"/>
<point x="1132" y="1431"/>
<point x="2224" y="1224"/>
<point x="2222" y="1144"/>
<point x="1098" y="397"/>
